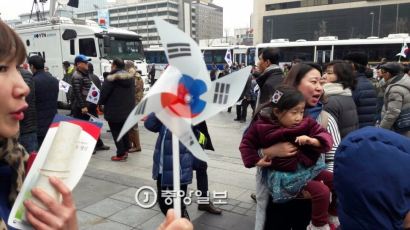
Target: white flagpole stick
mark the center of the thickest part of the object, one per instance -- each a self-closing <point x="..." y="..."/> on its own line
<point x="175" y="167"/>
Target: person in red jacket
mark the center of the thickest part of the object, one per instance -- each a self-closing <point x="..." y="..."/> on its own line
<point x="282" y="120"/>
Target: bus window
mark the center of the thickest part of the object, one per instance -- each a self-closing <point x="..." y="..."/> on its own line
<point x="323" y="54"/>
<point x="87" y="47"/>
<point x="219" y="56"/>
<point x="288" y="54"/>
<point x="251" y="56"/>
<point x="208" y="57"/>
<point x="72" y="47"/>
<point x="374" y="52"/>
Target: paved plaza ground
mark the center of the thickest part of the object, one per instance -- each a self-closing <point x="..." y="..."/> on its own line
<point x="105" y="196"/>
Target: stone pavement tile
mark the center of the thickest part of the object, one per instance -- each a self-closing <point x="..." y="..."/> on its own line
<point x="243" y="180"/>
<point x="251" y="213"/>
<point x="246" y="196"/>
<point x="246" y="205"/>
<point x="228" y="165"/>
<point x="108" y="225"/>
<point x="156" y="207"/>
<point x="127" y="195"/>
<point x="239" y="210"/>
<point x="232" y="191"/>
<point x="117" y="178"/>
<point x="227" y="220"/>
<point x="106" y="207"/>
<point x="193" y="211"/>
<point x="144" y="174"/>
<point x="226" y="207"/>
<point x="201" y="226"/>
<point x="152" y="223"/>
<point x="86" y="220"/>
<point x="133" y="216"/>
<point x="90" y="190"/>
<point x="233" y="202"/>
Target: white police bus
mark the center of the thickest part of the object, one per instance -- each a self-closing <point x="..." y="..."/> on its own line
<point x="330" y="48"/>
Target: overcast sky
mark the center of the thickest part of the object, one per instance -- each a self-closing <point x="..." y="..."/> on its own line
<point x="236" y="12"/>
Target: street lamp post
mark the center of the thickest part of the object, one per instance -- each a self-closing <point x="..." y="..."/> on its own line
<point x="372" y="14"/>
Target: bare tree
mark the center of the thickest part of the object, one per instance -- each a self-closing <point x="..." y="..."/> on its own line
<point x="322" y="31"/>
<point x="403" y="25"/>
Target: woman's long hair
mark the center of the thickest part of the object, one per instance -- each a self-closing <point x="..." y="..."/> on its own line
<point x="11" y="46"/>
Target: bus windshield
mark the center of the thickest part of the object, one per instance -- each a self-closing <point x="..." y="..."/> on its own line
<point x="123" y="48"/>
<point x="156" y="57"/>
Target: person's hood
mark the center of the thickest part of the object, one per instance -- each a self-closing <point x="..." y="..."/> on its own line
<point x="336" y="89"/>
<point x="120" y="77"/>
<point x="134" y="72"/>
<point x="371" y="179"/>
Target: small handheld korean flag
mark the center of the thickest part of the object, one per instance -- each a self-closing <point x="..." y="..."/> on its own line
<point x="64" y="86"/>
<point x="228" y="57"/>
<point x="94" y="94"/>
<point x="95" y="119"/>
<point x="404" y="52"/>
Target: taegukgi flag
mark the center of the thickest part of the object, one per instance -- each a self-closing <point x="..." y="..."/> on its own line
<point x="404" y="51"/>
<point x="228" y="57"/>
<point x="93" y="94"/>
<point x="64" y="86"/>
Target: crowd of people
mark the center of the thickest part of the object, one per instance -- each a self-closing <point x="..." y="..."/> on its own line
<point x="306" y="171"/>
<point x="321" y="137"/>
<point x="16" y="96"/>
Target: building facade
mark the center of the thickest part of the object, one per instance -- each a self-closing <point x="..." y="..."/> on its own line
<point x="138" y="16"/>
<point x="209" y="20"/>
<point x="244" y="36"/>
<point x="311" y="19"/>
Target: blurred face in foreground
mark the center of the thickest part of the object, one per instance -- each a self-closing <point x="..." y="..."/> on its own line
<point x="13" y="91"/>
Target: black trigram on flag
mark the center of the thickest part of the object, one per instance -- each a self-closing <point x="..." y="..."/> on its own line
<point x="187" y="138"/>
<point x="221" y="93"/>
<point x="141" y="108"/>
<point x="176" y="50"/>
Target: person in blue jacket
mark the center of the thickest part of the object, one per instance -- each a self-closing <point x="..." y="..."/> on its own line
<point x="162" y="168"/>
<point x="371" y="180"/>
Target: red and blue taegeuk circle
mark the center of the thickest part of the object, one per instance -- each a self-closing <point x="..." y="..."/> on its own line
<point x="186" y="102"/>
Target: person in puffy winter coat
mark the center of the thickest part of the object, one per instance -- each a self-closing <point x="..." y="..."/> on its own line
<point x="397" y="95"/>
<point x="133" y="134"/>
<point x="364" y="95"/>
<point x="118" y="98"/>
<point x="162" y="170"/>
<point x="340" y="82"/>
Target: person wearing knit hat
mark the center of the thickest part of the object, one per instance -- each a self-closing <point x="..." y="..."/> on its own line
<point x="393" y="68"/>
<point x="364" y="96"/>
